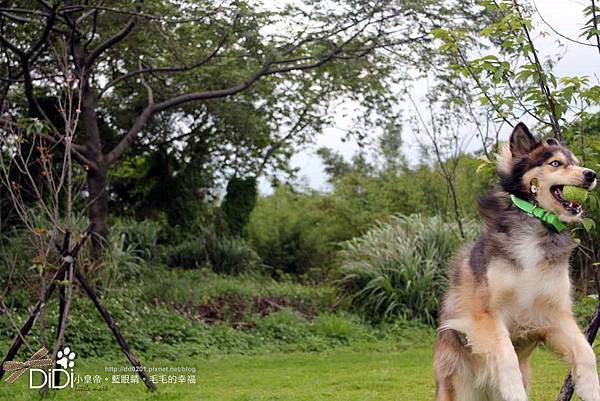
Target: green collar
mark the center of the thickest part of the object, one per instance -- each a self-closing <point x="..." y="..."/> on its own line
<point x="548" y="218"/>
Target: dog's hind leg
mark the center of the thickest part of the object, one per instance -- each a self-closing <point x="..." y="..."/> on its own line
<point x="450" y="359"/>
<point x="489" y="340"/>
<point x="444" y="390"/>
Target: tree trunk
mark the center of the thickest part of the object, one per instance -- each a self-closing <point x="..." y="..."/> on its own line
<point x="97" y="182"/>
<point x="97" y="175"/>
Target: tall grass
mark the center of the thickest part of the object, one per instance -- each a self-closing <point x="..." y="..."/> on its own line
<point x="398" y="268"/>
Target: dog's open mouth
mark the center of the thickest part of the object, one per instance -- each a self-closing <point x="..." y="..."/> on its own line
<point x="570" y="205"/>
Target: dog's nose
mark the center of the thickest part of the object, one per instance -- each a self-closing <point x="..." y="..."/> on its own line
<point x="590" y="175"/>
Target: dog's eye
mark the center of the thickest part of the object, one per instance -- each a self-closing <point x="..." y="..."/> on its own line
<point x="555" y="163"/>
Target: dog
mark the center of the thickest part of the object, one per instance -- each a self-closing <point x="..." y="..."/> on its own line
<point x="510" y="290"/>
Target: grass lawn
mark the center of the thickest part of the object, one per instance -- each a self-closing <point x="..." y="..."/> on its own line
<point x="344" y="374"/>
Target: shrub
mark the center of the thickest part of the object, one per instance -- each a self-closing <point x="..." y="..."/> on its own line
<point x="16" y="254"/>
<point x="188" y="255"/>
<point x="398" y="269"/>
<point x="121" y="260"/>
<point x="222" y="254"/>
<point x="296" y="232"/>
<point x="139" y="236"/>
<point x="286" y="325"/>
<point x="338" y="327"/>
<point x="231" y="256"/>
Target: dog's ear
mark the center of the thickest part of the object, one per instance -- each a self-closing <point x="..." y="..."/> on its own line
<point x="552" y="142"/>
<point x="521" y="141"/>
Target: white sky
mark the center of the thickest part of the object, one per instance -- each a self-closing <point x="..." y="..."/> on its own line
<point x="565" y="16"/>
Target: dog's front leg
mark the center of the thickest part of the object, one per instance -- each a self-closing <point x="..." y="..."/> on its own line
<point x="567" y="340"/>
<point x="491" y="340"/>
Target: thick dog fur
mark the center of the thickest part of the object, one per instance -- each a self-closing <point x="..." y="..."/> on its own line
<point x="510" y="289"/>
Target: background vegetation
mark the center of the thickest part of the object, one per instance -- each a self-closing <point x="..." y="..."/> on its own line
<point x="175" y="118"/>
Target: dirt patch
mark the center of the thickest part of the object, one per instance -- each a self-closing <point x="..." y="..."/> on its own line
<point x="266" y="305"/>
<point x="233" y="309"/>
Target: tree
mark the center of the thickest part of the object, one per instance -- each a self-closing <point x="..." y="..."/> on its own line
<point x="238" y="203"/>
<point x="140" y="63"/>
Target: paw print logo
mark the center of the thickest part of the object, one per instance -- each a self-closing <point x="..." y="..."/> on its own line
<point x="65" y="358"/>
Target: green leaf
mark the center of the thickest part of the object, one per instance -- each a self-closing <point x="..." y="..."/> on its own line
<point x="588" y="224"/>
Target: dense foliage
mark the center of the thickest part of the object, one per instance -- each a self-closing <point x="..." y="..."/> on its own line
<point x="227" y="255"/>
<point x="299" y="231"/>
<point x="398" y="268"/>
<point x="238" y="203"/>
<point x="198" y="261"/>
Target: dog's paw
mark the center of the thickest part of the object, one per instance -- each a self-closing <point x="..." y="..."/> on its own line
<point x="515" y="395"/>
<point x="590" y="397"/>
<point x="587" y="387"/>
<point x="587" y="392"/>
<point x="513" y="390"/>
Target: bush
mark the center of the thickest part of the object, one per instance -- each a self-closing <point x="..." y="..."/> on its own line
<point x="398" y="269"/>
<point x="286" y="325"/>
<point x="122" y="260"/>
<point x="338" y="327"/>
<point x="139" y="236"/>
<point x="222" y="254"/>
<point x="296" y="232"/>
<point x="188" y="255"/>
<point x="16" y="254"/>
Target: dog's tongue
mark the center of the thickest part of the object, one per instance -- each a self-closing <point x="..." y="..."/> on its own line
<point x="559" y="190"/>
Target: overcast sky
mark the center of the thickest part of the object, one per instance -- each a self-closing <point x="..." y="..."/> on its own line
<point x="565" y="16"/>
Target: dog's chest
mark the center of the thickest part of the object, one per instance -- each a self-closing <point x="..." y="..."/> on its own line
<point x="529" y="294"/>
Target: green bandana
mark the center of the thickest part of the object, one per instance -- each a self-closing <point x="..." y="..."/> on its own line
<point x="548" y="218"/>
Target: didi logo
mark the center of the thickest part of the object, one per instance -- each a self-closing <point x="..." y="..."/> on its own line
<point x="39" y="378"/>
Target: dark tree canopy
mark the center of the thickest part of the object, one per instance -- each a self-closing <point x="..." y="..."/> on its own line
<point x="248" y="82"/>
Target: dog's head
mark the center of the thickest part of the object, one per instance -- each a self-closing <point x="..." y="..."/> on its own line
<point x="537" y="171"/>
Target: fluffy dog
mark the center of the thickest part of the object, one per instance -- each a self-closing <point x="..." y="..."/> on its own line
<point x="510" y="289"/>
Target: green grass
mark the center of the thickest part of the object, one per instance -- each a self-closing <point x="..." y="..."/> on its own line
<point x="376" y="371"/>
<point x="201" y="286"/>
<point x="306" y="351"/>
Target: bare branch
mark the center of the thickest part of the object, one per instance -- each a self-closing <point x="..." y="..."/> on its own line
<point x="165" y="69"/>
<point x="298" y="126"/>
<point x="541" y="77"/>
<point x="108" y="43"/>
<point x="148" y="88"/>
<point x="480" y="86"/>
<point x="94" y="27"/>
<point x="555" y="31"/>
<point x="16" y="18"/>
<point x="161" y="18"/>
<point x="22" y="11"/>
<point x="128" y="139"/>
<point x="265" y="70"/>
<point x="44" y="36"/>
<point x="46" y="5"/>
